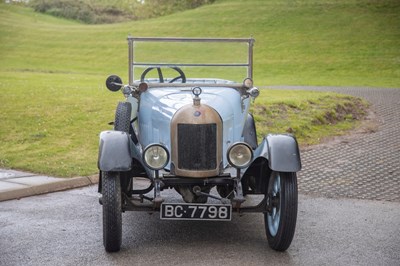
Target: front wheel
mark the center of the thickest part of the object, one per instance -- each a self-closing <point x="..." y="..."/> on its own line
<point x="112" y="212"/>
<point x="280" y="218"/>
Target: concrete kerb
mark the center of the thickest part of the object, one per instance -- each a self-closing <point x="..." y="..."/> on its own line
<point x="31" y="185"/>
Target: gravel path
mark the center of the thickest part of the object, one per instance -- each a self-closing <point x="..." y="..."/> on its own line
<point x="363" y="166"/>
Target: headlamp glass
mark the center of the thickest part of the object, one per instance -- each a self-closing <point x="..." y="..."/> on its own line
<point x="155" y="156"/>
<point x="240" y="155"/>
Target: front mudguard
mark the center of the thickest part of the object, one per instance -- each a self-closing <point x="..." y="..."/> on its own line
<point x="114" y="151"/>
<point x="282" y="153"/>
<point x="275" y="153"/>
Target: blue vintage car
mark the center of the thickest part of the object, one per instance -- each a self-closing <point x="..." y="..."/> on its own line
<point x="194" y="136"/>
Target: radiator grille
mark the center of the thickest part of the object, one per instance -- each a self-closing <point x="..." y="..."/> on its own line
<point x="197" y="146"/>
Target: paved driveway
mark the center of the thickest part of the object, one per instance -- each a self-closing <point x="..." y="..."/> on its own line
<point x="364" y="166"/>
<point x="65" y="228"/>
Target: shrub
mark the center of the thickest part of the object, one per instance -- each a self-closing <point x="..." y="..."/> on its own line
<point x="92" y="12"/>
<point x="81" y="11"/>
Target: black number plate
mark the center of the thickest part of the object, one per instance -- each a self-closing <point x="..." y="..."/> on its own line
<point x="191" y="211"/>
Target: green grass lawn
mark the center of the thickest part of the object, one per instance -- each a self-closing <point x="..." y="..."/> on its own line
<point x="53" y="102"/>
<point x="343" y="43"/>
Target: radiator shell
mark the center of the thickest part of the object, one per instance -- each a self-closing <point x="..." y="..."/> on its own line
<point x="196" y="142"/>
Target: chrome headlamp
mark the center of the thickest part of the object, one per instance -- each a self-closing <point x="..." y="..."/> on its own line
<point x="240" y="155"/>
<point x="155" y="156"/>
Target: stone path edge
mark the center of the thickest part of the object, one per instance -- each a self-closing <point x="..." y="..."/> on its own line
<point x="59" y="184"/>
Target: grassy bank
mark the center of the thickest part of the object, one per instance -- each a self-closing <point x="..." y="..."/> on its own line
<point x="53" y="127"/>
<point x="52" y="71"/>
<point x="310" y="116"/>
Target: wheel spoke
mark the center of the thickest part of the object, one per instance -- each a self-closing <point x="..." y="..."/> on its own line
<point x="274" y="215"/>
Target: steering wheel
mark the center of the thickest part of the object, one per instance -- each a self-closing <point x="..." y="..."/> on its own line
<point x="161" y="77"/>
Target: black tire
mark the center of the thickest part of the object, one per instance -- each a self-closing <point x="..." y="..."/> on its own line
<point x="280" y="220"/>
<point x="112" y="212"/>
<point x="123" y="117"/>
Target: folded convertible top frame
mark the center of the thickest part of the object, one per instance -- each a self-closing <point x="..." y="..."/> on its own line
<point x="132" y="63"/>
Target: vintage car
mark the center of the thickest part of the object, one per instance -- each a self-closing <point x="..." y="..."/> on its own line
<point x="194" y="142"/>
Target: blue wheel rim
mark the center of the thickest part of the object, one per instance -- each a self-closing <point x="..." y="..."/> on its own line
<point x="274" y="216"/>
